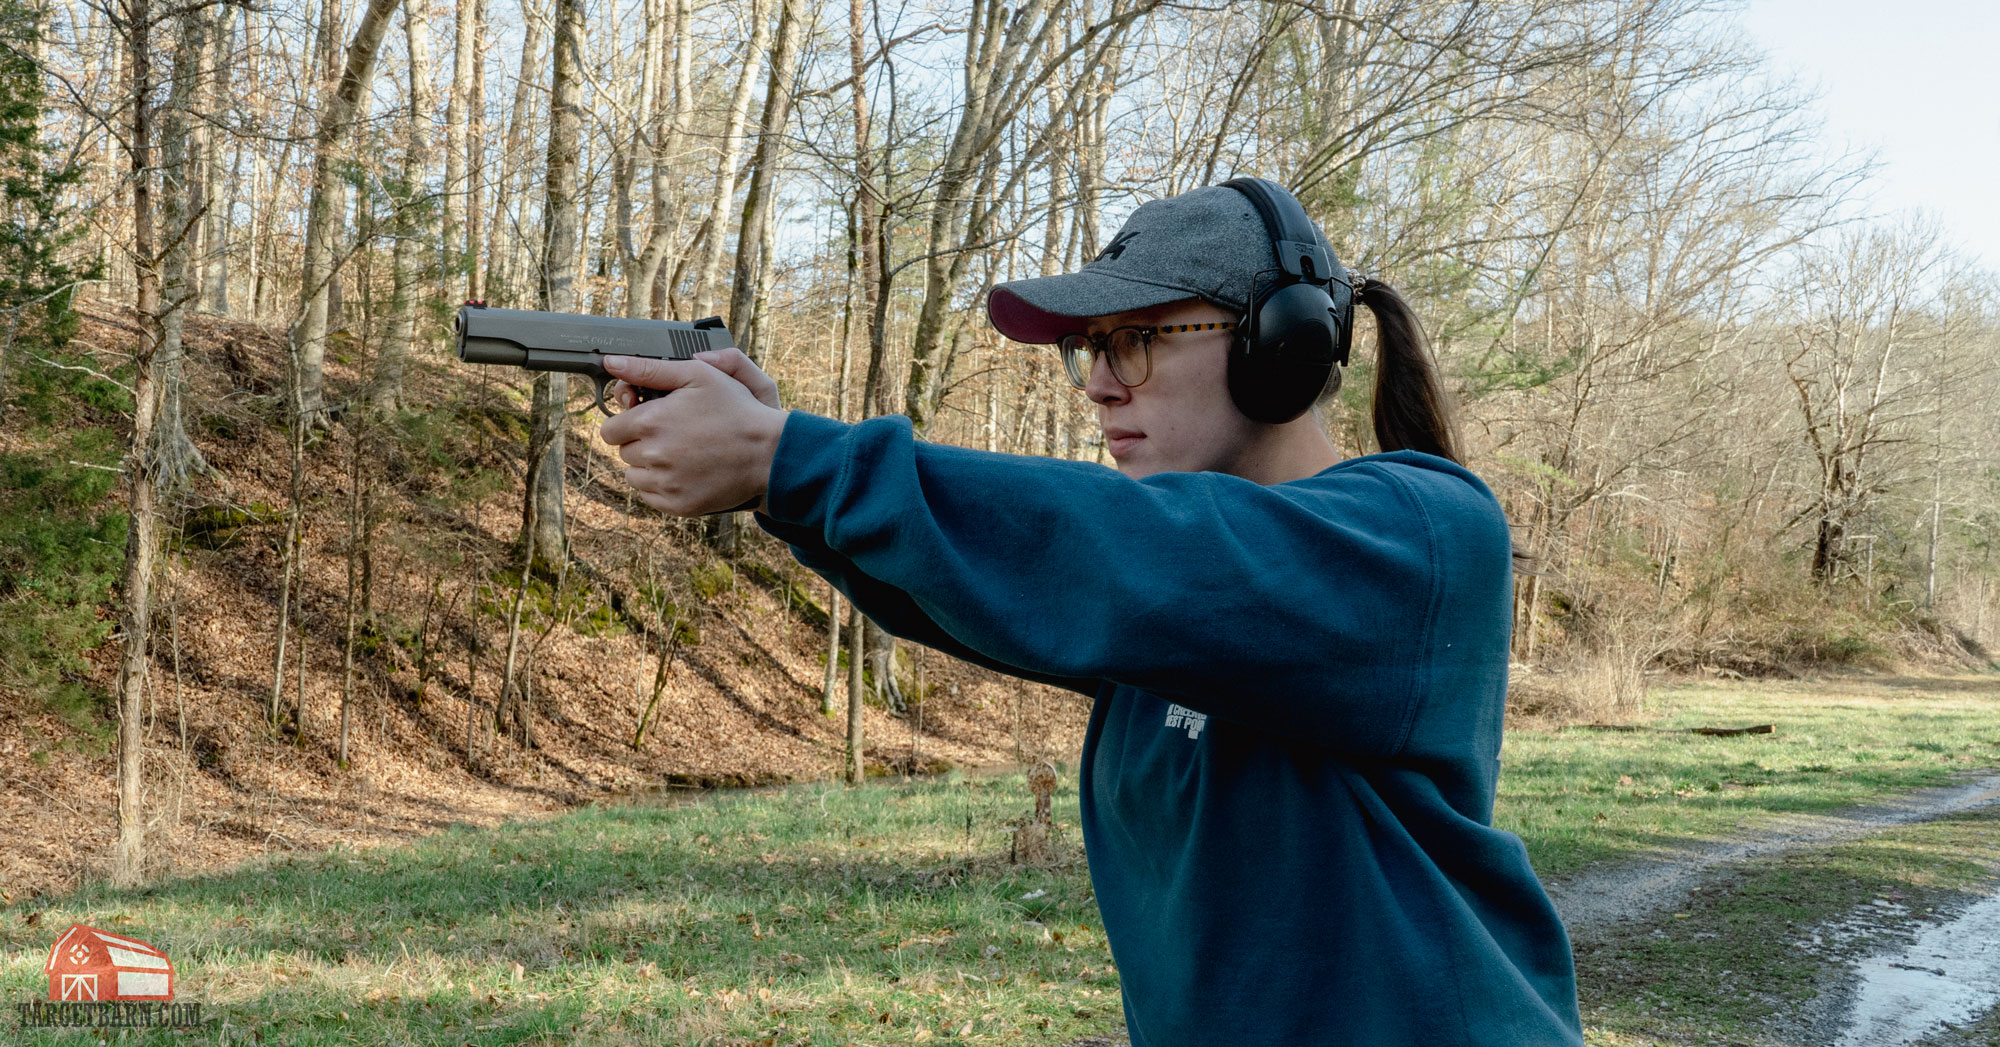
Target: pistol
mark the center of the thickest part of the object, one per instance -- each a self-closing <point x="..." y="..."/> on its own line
<point x="577" y="344"/>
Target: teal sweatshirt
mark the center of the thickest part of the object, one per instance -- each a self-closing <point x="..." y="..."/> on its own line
<point x="1287" y="783"/>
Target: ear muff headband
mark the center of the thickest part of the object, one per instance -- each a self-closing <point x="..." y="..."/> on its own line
<point x="1293" y="237"/>
<point x="1296" y="330"/>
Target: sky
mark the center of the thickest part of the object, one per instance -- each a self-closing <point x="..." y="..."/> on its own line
<point x="1915" y="81"/>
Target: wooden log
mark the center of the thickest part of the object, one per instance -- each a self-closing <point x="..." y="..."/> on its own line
<point x="1712" y="732"/>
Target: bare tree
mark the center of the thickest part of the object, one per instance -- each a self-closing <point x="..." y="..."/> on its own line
<point x="857" y="657"/>
<point x="132" y="21"/>
<point x="668" y="127"/>
<point x="176" y="459"/>
<point x="560" y="242"/>
<point x="1004" y="70"/>
<point x="309" y="334"/>
<point x="458" y="141"/>
<point x="407" y="224"/>
<point x="1845" y="359"/>
<point x="708" y="257"/>
<point x="758" y="203"/>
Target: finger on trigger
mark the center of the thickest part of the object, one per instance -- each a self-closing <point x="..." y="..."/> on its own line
<point x="648" y="372"/>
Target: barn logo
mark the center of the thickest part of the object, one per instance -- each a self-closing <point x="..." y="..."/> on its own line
<point x="97" y="979"/>
<point x="89" y="964"/>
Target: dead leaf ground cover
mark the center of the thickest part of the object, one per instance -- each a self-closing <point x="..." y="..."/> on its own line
<point x="740" y="704"/>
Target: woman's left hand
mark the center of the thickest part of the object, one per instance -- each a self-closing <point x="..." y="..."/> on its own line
<point x="705" y="448"/>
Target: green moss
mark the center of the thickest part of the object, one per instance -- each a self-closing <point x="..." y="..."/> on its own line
<point x="576" y="605"/>
<point x="712" y="581"/>
<point x="220" y="526"/>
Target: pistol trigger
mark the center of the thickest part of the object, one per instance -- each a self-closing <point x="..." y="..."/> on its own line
<point x="603" y="382"/>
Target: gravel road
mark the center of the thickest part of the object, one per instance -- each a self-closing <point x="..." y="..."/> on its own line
<point x="1595" y="902"/>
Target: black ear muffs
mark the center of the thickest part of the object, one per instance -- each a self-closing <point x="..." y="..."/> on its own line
<point x="1298" y="326"/>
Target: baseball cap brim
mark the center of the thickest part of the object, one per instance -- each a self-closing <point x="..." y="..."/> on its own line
<point x="1043" y="309"/>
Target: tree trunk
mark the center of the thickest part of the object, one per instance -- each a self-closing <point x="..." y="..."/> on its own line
<point x="510" y="253"/>
<point x="135" y="589"/>
<point x="763" y="178"/>
<point x="708" y="264"/>
<point x="857" y="654"/>
<point x="220" y="206"/>
<point x="508" y="686"/>
<point x="828" y="685"/>
<point x="841" y="382"/>
<point x="560" y="242"/>
<point x="867" y="205"/>
<point x="645" y="294"/>
<point x="357" y="449"/>
<point x="386" y="389"/>
<point x="458" y="141"/>
<point x="309" y="335"/>
<point x="475" y="164"/>
<point x="883" y="658"/>
<point x="175" y="458"/>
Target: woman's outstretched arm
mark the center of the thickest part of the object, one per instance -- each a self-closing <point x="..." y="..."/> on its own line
<point x="1313" y="608"/>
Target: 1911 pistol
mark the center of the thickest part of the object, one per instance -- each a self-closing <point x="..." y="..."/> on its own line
<point x="577" y="344"/>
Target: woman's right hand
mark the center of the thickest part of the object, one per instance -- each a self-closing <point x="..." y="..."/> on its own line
<point x="731" y="362"/>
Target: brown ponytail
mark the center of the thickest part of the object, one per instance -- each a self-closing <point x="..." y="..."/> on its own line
<point x="1411" y="409"/>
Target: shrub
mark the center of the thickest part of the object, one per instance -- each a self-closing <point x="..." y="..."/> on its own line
<point x="61" y="552"/>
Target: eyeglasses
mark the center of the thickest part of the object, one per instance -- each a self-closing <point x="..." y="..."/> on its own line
<point x="1130" y="350"/>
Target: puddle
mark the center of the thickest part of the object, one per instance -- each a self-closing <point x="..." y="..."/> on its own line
<point x="1949" y="975"/>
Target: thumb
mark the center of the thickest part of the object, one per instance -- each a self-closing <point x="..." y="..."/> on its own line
<point x="735" y="364"/>
<point x="647" y="373"/>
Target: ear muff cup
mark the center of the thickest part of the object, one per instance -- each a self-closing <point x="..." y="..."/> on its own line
<point x="1284" y="352"/>
<point x="1296" y="330"/>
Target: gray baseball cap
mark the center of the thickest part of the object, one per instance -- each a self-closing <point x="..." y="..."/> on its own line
<point x="1206" y="243"/>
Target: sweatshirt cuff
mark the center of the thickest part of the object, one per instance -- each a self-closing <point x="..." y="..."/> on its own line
<point x="807" y="469"/>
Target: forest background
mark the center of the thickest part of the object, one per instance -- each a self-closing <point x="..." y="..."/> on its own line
<point x="254" y="515"/>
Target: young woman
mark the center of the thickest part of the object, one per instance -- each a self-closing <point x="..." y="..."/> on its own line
<point x="1299" y="662"/>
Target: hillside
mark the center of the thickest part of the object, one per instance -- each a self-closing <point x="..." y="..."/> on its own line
<point x="738" y="705"/>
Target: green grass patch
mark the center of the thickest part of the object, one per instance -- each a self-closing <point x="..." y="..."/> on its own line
<point x="805" y="915"/>
<point x="1580" y="797"/>
<point x="824" y="915"/>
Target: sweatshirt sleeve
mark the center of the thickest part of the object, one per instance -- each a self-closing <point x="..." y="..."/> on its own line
<point x="893" y="609"/>
<point x="1307" y="609"/>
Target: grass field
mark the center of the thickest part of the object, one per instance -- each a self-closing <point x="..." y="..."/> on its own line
<point x="822" y="915"/>
<point x="1581" y="797"/>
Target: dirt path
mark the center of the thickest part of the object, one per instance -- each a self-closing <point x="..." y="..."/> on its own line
<point x="1915" y="975"/>
<point x="1596" y="902"/>
<point x="1950" y="974"/>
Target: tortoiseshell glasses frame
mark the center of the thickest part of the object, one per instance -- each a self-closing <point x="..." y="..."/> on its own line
<point x="1130" y="350"/>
